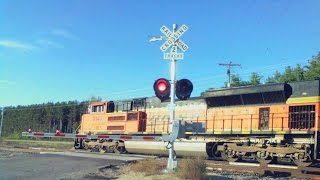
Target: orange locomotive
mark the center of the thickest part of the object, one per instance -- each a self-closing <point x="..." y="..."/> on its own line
<point x="265" y="122"/>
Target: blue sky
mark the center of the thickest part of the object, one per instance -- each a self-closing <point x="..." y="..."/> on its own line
<point x="71" y="50"/>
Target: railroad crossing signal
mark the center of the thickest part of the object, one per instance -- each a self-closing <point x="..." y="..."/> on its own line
<point x="165" y="89"/>
<point x="161" y="88"/>
<point x="174" y="42"/>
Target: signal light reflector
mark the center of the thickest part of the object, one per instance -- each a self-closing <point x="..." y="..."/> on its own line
<point x="161" y="88"/>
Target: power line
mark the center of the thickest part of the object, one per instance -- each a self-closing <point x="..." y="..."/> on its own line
<point x="143" y="91"/>
<point x="139" y="92"/>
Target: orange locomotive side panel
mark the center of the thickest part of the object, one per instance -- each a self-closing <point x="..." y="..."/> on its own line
<point x="232" y="118"/>
<point x="118" y="122"/>
<point x="158" y="118"/>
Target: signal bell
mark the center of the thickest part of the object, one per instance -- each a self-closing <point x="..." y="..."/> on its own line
<point x="162" y="88"/>
<point x="184" y="89"/>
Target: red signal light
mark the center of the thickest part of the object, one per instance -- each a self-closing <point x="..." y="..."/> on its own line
<point x="161" y="88"/>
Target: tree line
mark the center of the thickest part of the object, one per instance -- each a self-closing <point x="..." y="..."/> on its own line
<point x="66" y="116"/>
<point x="297" y="73"/>
<point x="46" y="117"/>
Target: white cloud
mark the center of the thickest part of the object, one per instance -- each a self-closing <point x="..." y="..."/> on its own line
<point x="65" y="34"/>
<point x="45" y="43"/>
<point x="17" y="45"/>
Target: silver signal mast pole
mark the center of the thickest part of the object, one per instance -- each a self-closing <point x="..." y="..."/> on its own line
<point x="229" y="65"/>
<point x="172" y="161"/>
<point x="173" y="89"/>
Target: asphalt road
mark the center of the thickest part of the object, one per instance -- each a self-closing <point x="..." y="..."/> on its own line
<point x="14" y="165"/>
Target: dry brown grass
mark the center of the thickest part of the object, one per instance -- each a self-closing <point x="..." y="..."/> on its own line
<point x="192" y="168"/>
<point x="148" y="166"/>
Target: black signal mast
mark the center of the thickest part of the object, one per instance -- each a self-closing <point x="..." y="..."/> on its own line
<point x="229" y="65"/>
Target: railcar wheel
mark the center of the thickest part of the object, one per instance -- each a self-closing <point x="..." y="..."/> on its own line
<point x="119" y="148"/>
<point x="302" y="163"/>
<point x="212" y="150"/>
<point x="77" y="143"/>
<point x="102" y="149"/>
<point x="230" y="156"/>
<point x="263" y="157"/>
<point x="301" y="160"/>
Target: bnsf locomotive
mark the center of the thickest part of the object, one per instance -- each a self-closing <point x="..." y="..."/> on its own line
<point x="266" y="122"/>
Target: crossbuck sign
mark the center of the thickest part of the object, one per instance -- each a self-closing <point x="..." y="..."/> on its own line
<point x="174" y="42"/>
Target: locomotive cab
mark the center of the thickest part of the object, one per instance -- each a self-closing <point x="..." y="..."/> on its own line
<point x="105" y="118"/>
<point x="101" y="107"/>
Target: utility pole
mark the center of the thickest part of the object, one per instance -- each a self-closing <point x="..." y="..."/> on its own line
<point x="2" y="109"/>
<point x="229" y="65"/>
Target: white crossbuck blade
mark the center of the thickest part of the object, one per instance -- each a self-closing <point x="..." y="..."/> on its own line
<point x="173" y="38"/>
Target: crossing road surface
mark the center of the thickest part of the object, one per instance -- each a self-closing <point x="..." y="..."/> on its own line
<point x="15" y="165"/>
<point x="107" y="156"/>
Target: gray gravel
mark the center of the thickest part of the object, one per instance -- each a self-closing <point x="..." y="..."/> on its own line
<point x="243" y="176"/>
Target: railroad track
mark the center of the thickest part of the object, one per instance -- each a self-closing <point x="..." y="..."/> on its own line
<point x="274" y="170"/>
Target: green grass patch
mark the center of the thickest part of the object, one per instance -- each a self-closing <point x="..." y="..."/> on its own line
<point x="38" y="143"/>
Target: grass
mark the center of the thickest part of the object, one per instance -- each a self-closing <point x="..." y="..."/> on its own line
<point x="37" y="143"/>
<point x="190" y="168"/>
<point x="148" y="167"/>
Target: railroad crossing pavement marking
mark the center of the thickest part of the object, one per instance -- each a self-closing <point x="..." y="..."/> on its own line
<point x="122" y="157"/>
